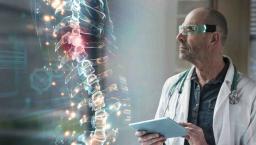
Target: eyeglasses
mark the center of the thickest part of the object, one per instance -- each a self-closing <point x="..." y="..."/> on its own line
<point x="196" y="29"/>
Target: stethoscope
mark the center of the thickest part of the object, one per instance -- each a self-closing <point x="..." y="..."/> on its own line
<point x="233" y="96"/>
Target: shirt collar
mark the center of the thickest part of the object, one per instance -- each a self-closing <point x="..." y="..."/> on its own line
<point x="220" y="77"/>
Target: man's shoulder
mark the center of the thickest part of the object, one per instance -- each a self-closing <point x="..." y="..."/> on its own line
<point x="246" y="82"/>
<point x="247" y="88"/>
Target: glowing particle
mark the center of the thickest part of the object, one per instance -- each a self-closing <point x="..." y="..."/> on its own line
<point x="37" y="11"/>
<point x="54" y="34"/>
<point x="67" y="133"/>
<point x="46" y="29"/>
<point x="47" y="18"/>
<point x="72" y="104"/>
<point x="76" y="90"/>
<point x="79" y="106"/>
<point x="62" y="94"/>
<point x="53" y="83"/>
<point x="118" y="113"/>
<point x="60" y="66"/>
<point x="56" y="3"/>
<point x="47" y="43"/>
<point x="72" y="115"/>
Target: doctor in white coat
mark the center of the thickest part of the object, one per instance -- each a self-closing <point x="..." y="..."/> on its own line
<point x="201" y="40"/>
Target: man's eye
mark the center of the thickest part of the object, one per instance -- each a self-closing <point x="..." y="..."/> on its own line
<point x="190" y="29"/>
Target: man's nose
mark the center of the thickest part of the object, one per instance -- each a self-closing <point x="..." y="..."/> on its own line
<point x="180" y="37"/>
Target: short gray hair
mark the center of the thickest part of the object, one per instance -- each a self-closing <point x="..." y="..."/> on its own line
<point x="218" y="19"/>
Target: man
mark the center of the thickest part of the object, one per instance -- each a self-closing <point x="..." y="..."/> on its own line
<point x="215" y="103"/>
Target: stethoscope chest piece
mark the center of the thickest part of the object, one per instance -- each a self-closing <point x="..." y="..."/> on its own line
<point x="233" y="97"/>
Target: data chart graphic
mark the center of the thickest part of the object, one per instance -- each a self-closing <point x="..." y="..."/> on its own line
<point x="13" y="60"/>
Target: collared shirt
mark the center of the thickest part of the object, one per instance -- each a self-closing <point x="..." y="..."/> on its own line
<point x="202" y="102"/>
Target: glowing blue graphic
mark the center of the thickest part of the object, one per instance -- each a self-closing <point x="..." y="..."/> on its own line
<point x="40" y="80"/>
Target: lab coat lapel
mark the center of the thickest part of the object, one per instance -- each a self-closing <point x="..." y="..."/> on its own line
<point x="221" y="119"/>
<point x="184" y="98"/>
<point x="221" y="116"/>
<point x="183" y="106"/>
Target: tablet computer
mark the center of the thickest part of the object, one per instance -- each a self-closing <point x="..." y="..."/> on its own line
<point x="164" y="126"/>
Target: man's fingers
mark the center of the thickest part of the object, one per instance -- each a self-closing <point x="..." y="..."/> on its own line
<point x="145" y="138"/>
<point x="191" y="131"/>
<point x="161" y="142"/>
<point x="187" y="137"/>
<point x="158" y="140"/>
<point x="187" y="124"/>
<point x="140" y="133"/>
<point x="148" y="137"/>
<point x="191" y="126"/>
<point x="155" y="141"/>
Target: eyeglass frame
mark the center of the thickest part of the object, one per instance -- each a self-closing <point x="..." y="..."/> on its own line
<point x="197" y="29"/>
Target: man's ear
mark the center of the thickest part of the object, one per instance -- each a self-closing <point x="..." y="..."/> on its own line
<point x="216" y="38"/>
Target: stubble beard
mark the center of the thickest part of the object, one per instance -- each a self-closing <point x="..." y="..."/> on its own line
<point x="185" y="53"/>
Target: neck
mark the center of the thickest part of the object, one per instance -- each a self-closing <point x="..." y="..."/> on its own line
<point x="209" y="69"/>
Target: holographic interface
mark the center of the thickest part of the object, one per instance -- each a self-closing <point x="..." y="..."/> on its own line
<point x="80" y="42"/>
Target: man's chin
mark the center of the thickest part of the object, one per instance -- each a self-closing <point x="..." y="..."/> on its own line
<point x="185" y="57"/>
<point x="182" y="56"/>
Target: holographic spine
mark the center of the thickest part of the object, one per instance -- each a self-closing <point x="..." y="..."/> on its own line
<point x="86" y="23"/>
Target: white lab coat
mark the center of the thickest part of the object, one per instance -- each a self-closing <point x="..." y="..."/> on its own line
<point x="233" y="124"/>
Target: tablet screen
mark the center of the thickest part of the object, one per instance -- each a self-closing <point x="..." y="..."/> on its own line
<point x="164" y="126"/>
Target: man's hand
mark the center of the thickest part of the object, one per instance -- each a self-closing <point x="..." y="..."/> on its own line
<point x="195" y="134"/>
<point x="149" y="139"/>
